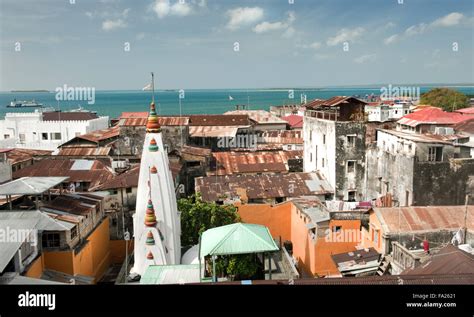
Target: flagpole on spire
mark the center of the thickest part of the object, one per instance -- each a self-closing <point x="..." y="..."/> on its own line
<point x="152" y="87"/>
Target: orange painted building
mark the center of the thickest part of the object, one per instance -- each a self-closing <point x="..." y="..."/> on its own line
<point x="306" y="223"/>
<point x="92" y="259"/>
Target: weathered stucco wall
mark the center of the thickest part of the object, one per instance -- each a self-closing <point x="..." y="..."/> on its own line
<point x="443" y="183"/>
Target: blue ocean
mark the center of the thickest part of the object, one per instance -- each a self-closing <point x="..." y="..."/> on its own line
<point x="113" y="103"/>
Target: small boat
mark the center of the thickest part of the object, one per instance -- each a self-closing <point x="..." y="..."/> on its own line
<point x="22" y="104"/>
<point x="80" y="109"/>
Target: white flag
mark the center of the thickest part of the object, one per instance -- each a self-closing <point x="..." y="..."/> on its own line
<point x="147" y="87"/>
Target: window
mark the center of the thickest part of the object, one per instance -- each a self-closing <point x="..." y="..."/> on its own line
<point x="324" y="138"/>
<point x="351" y="140"/>
<point x="351" y="195"/>
<point x="6" y="136"/>
<point x="73" y="232"/>
<point x="435" y="154"/>
<point x="311" y="157"/>
<point x="22" y="137"/>
<point x="322" y="163"/>
<point x="44" y="136"/>
<point x="113" y="192"/>
<point x="375" y="235"/>
<point x="351" y="167"/>
<point x="51" y="240"/>
<point x="128" y="190"/>
<point x="56" y="136"/>
<point x="310" y="136"/>
<point x="336" y="229"/>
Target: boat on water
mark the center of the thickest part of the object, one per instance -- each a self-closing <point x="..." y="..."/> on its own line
<point x="24" y="104"/>
<point x="80" y="109"/>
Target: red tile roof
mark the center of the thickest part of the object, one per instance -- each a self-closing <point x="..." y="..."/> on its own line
<point x="469" y="110"/>
<point x="294" y="120"/>
<point x="432" y="115"/>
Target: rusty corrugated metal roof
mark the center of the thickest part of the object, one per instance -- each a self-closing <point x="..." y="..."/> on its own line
<point x="68" y="116"/>
<point x="100" y="135"/>
<point x="162" y="120"/>
<point x="282" y="137"/>
<point x="259" y="116"/>
<point x="84" y="151"/>
<point x="229" y="163"/>
<point x="125" y="180"/>
<point x="95" y="174"/>
<point x="449" y="260"/>
<point x="219" y="120"/>
<point x="194" y="150"/>
<point x="332" y="102"/>
<point x="262" y="186"/>
<point x="433" y="218"/>
<point x="214" y="131"/>
<point x="15" y="156"/>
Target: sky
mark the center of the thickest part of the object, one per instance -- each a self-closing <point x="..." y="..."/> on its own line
<point x="214" y="44"/>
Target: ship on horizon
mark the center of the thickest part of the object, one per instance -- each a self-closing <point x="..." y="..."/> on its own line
<point x="24" y="104"/>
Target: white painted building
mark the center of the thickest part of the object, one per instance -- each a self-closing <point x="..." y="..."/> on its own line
<point x="46" y="130"/>
<point x="385" y="112"/>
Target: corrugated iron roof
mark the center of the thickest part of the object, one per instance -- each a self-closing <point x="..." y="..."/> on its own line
<point x="332" y="102"/>
<point x="214" y="131"/>
<point x="294" y="121"/>
<point x="30" y="185"/>
<point x="261" y="186"/>
<point x="96" y="175"/>
<point x="449" y="260"/>
<point x="219" y="120"/>
<point x="423" y="138"/>
<point x="469" y="110"/>
<point x="465" y="126"/>
<point x="84" y="151"/>
<point x="259" y="116"/>
<point x="229" y="163"/>
<point x="282" y="137"/>
<point x="15" y="156"/>
<point x="125" y="180"/>
<point x="68" y="116"/>
<point x="100" y="135"/>
<point x="431" y="115"/>
<point x="194" y="150"/>
<point x="162" y="120"/>
<point x="433" y="218"/>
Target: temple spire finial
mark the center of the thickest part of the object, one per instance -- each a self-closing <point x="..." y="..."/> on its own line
<point x="152" y="125"/>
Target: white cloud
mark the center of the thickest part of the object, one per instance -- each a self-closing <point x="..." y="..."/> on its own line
<point x="289" y="32"/>
<point x="345" y="35"/>
<point x="391" y="39"/>
<point x="314" y="45"/>
<point x="163" y="8"/>
<point x="243" y="16"/>
<point x="416" y="29"/>
<point x="274" y="26"/>
<point x="365" y="58"/>
<point x="451" y="19"/>
<point x="110" y="25"/>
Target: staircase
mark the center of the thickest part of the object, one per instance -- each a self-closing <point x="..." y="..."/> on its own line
<point x="384" y="265"/>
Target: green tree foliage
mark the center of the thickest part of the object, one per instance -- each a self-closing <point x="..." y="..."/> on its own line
<point x="237" y="267"/>
<point x="445" y="98"/>
<point x="197" y="216"/>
